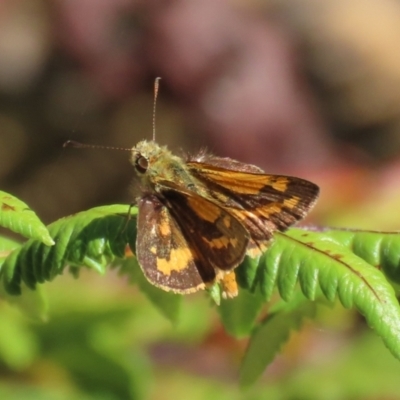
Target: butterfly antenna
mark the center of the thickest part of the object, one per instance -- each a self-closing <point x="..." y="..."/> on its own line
<point x="156" y="86"/>
<point x="78" y="145"/>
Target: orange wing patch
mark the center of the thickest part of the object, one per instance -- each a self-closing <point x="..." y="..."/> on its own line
<point x="178" y="260"/>
<point x="243" y="182"/>
<point x="204" y="210"/>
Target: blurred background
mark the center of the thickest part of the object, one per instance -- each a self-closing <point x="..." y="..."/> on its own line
<point x="303" y="87"/>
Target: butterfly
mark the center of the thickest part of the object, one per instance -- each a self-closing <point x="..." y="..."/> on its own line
<point x="198" y="217"/>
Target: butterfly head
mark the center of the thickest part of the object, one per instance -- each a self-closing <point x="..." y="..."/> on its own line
<point x="142" y="155"/>
<point x="149" y="158"/>
<point x="154" y="164"/>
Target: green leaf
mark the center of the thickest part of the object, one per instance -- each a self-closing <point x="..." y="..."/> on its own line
<point x="268" y="337"/>
<point x="380" y="249"/>
<point x="317" y="261"/>
<point x="6" y="247"/>
<point x="247" y="273"/>
<point x="91" y="239"/>
<point x="337" y="263"/>
<point x="18" y="217"/>
<point x="33" y="303"/>
<point x="215" y="293"/>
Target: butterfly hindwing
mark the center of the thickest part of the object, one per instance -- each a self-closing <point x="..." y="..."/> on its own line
<point x="163" y="252"/>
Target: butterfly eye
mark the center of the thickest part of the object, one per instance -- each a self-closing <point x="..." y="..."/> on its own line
<point x="141" y="164"/>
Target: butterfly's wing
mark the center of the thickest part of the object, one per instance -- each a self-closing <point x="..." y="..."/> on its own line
<point x="263" y="203"/>
<point x="184" y="240"/>
<point x="163" y="252"/>
<point x="216" y="236"/>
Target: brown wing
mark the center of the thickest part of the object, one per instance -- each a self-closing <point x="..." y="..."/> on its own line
<point x="163" y="253"/>
<point x="215" y="234"/>
<point x="263" y="203"/>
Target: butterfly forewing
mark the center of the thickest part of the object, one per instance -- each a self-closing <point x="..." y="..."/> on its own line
<point x="263" y="203"/>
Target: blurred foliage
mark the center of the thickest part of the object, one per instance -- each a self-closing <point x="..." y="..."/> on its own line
<point x="115" y="345"/>
<point x="99" y="347"/>
<point x="302" y="87"/>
